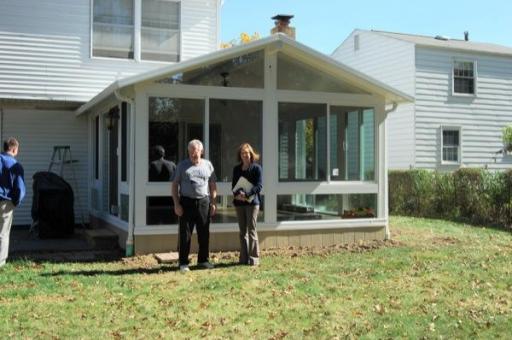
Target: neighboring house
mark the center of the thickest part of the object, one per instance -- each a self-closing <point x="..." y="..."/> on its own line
<point x="115" y="78"/>
<point x="462" y="91"/>
<point x="56" y="55"/>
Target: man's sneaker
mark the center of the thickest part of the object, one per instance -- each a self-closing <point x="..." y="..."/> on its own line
<point x="206" y="265"/>
<point x="184" y="268"/>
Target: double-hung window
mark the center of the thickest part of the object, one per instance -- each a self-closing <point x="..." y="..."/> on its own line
<point x="117" y="33"/>
<point x="450" y="141"/>
<point x="464" y="77"/>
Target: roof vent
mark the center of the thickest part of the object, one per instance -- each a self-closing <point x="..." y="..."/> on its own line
<point x="441" y="37"/>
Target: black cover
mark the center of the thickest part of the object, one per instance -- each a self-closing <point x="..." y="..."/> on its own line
<point x="52" y="205"/>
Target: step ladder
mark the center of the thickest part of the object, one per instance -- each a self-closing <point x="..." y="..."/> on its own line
<point x="62" y="158"/>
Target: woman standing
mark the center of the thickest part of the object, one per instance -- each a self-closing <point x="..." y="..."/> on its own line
<point x="246" y="186"/>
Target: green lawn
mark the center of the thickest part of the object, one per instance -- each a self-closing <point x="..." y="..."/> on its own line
<point x="436" y="279"/>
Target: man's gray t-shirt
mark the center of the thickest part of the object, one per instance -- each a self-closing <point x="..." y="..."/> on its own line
<point x="193" y="179"/>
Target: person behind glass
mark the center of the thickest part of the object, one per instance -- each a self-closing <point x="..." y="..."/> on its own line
<point x="194" y="191"/>
<point x="12" y="191"/>
<point x="247" y="203"/>
<point x="160" y="169"/>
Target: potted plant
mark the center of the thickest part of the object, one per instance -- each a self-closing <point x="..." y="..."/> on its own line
<point x="507" y="138"/>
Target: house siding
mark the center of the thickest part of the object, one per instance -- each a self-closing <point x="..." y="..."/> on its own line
<point x="38" y="131"/>
<point x="392" y="62"/>
<point x="481" y="118"/>
<point x="45" y="48"/>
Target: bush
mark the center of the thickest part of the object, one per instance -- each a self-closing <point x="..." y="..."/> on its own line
<point x="472" y="195"/>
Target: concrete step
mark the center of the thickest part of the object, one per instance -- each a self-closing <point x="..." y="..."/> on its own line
<point x="101" y="239"/>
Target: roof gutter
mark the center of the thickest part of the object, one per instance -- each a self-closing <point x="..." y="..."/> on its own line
<point x="129" y="249"/>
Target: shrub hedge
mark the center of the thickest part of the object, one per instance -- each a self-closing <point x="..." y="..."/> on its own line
<point x="472" y="195"/>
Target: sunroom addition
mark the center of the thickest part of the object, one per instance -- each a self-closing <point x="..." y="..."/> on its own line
<point x="318" y="125"/>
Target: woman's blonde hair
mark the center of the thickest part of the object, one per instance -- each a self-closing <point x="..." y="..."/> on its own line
<point x="254" y="156"/>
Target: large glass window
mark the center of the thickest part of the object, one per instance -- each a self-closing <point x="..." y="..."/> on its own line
<point x="296" y="75"/>
<point x="124" y="142"/>
<point x="299" y="207"/>
<point x="241" y="71"/>
<point x="226" y="210"/>
<point x="463" y="77"/>
<point x="160" y="210"/>
<point x="160" y="31"/>
<point x="352" y="143"/>
<point x="173" y="122"/>
<point x="233" y="122"/>
<point x="113" y="29"/>
<point x="302" y="142"/>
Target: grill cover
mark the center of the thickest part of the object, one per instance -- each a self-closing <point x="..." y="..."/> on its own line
<point x="52" y="206"/>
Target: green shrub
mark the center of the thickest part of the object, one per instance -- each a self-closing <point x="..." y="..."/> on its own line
<point x="472" y="195"/>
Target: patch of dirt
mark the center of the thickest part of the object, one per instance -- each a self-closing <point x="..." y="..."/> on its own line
<point x="141" y="261"/>
<point x="445" y="240"/>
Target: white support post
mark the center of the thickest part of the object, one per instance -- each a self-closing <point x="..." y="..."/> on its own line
<point x="382" y="166"/>
<point x="270" y="136"/>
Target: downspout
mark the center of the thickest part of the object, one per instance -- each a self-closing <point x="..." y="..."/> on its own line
<point x="387" y="233"/>
<point x="129" y="249"/>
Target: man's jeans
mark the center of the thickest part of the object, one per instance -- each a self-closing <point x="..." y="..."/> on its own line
<point x="6" y="210"/>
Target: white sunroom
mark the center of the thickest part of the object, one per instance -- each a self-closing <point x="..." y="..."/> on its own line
<point x="318" y="125"/>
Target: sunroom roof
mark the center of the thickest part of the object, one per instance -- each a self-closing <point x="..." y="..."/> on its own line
<point x="278" y="41"/>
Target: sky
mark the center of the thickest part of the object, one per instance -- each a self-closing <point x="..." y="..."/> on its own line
<point x="324" y="24"/>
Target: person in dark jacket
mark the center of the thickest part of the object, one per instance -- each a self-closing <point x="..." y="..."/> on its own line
<point x="247" y="183"/>
<point x="12" y="192"/>
<point x="160" y="169"/>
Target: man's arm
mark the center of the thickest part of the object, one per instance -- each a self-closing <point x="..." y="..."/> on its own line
<point x="178" y="209"/>
<point x="212" y="185"/>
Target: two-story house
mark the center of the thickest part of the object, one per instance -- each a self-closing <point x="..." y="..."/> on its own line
<point x="462" y="91"/>
<point x="115" y="79"/>
<point x="56" y="55"/>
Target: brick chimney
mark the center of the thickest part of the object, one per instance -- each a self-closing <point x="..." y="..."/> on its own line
<point x="282" y="25"/>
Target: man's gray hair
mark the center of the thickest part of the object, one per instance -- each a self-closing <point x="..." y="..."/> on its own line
<point x="197" y="143"/>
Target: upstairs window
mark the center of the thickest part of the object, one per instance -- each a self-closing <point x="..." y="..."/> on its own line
<point x="115" y="30"/>
<point x="464" y="77"/>
<point x="160" y="31"/>
<point x="450" y="141"/>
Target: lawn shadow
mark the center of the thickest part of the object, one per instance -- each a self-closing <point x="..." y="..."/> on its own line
<point x="164" y="268"/>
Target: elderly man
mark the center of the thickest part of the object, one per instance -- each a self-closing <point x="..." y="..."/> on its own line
<point x="12" y="191"/>
<point x="194" y="191"/>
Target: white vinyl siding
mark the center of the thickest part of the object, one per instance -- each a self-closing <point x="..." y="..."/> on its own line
<point x="392" y="62"/>
<point x="45" y="48"/>
<point x="481" y="118"/>
<point x="38" y="131"/>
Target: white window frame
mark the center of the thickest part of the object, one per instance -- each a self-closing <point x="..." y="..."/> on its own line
<point x="475" y="77"/>
<point x="137" y="31"/>
<point x="459" y="149"/>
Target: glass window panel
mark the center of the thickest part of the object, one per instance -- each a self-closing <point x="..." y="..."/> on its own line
<point x="124" y="211"/>
<point x="296" y="75"/>
<point x="97" y="147"/>
<point x="233" y="122"/>
<point x="352" y="143"/>
<point x="113" y="28"/>
<point x="160" y="31"/>
<point x="160" y="210"/>
<point x="302" y="142"/>
<point x="368" y="145"/>
<point x="463" y="77"/>
<point x="226" y="210"/>
<point x="241" y="71"/>
<point x="299" y="207"/>
<point x="451" y="144"/>
<point x="173" y="122"/>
